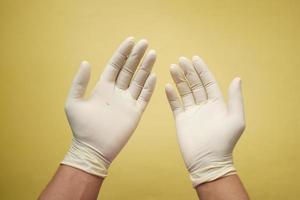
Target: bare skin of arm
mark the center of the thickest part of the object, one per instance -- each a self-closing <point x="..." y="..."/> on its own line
<point x="226" y="188"/>
<point x="71" y="183"/>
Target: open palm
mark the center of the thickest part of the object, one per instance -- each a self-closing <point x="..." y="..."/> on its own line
<point x="106" y="119"/>
<point x="207" y="128"/>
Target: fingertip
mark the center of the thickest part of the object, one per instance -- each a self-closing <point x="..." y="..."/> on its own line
<point x="235" y="85"/>
<point x="84" y="63"/>
<point x="130" y="38"/>
<point x="168" y="87"/>
<point x="152" y="55"/>
<point x="85" y="67"/>
<point x="172" y="70"/>
<point x="182" y="61"/>
<point x="173" y="67"/>
<point x="143" y="42"/>
<point x="182" y="58"/>
<point x="80" y="81"/>
<point x="237" y="80"/>
<point x="129" y="42"/>
<point x="152" y="52"/>
<point x="196" y="57"/>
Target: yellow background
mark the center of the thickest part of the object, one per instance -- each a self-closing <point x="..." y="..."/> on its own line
<point x="43" y="42"/>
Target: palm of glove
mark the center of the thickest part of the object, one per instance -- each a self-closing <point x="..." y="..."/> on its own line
<point x="207" y="128"/>
<point x="106" y="120"/>
<point x="110" y="115"/>
<point x="207" y="131"/>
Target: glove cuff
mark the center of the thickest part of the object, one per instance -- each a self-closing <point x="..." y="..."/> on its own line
<point x="85" y="157"/>
<point x="211" y="172"/>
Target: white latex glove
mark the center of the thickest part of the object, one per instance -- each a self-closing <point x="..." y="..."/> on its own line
<point x="103" y="123"/>
<point x="207" y="128"/>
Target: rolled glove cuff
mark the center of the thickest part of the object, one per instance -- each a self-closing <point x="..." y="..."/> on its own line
<point x="211" y="173"/>
<point x="83" y="156"/>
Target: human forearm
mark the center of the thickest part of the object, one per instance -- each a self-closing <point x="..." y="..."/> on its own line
<point x="71" y="183"/>
<point x="225" y="188"/>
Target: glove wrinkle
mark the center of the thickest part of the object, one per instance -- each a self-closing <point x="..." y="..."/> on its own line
<point x="85" y="157"/>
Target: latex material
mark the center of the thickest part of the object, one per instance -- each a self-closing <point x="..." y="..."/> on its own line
<point x="207" y="128"/>
<point x="103" y="123"/>
<point x="85" y="157"/>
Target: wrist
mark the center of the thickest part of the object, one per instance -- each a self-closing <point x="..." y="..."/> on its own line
<point x="210" y="170"/>
<point x="85" y="157"/>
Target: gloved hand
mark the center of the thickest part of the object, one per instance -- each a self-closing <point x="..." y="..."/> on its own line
<point x="207" y="128"/>
<point x="103" y="123"/>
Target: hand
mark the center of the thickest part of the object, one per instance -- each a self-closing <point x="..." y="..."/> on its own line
<point x="207" y="128"/>
<point x="103" y="123"/>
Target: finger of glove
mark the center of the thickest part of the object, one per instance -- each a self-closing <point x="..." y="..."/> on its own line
<point x="131" y="64"/>
<point x="142" y="74"/>
<point x="147" y="91"/>
<point x="209" y="82"/>
<point x="193" y="79"/>
<point x="182" y="86"/>
<point x="80" y="81"/>
<point x="173" y="99"/>
<point x="117" y="60"/>
<point x="235" y="98"/>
